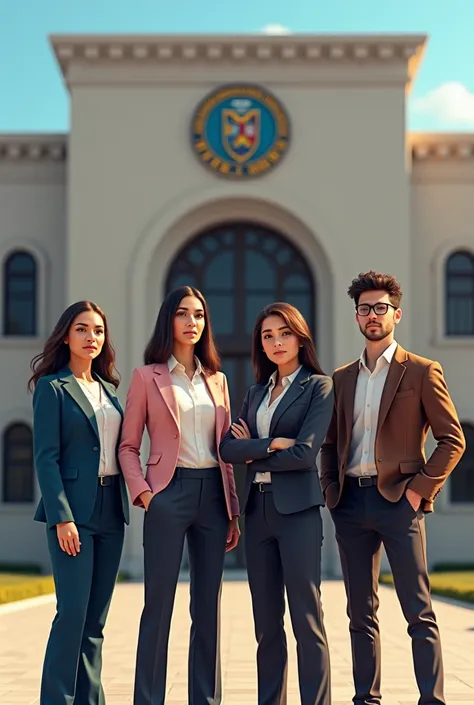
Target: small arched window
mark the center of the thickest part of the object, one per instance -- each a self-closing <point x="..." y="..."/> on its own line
<point x="19" y="294"/>
<point x="462" y="477"/>
<point x="459" y="286"/>
<point x="18" y="472"/>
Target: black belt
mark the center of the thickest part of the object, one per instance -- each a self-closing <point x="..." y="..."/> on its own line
<point x="198" y="473"/>
<point x="263" y="486"/>
<point x="365" y="481"/>
<point x="107" y="480"/>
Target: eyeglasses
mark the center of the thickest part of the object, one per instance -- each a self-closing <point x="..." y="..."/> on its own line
<point x="379" y="309"/>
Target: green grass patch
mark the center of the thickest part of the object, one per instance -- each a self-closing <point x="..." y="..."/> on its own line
<point x="458" y="585"/>
<point x="453" y="567"/>
<point x="15" y="587"/>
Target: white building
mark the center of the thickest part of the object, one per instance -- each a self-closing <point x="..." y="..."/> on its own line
<point x="125" y="207"/>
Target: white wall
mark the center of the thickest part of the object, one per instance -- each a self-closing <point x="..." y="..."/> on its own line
<point x="137" y="192"/>
<point x="32" y="216"/>
<point x="442" y="216"/>
<point x="344" y="176"/>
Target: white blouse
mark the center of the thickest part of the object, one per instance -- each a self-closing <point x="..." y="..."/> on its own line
<point x="197" y="417"/>
<point x="108" y="422"/>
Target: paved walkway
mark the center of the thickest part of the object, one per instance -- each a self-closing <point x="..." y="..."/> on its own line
<point x="23" y="633"/>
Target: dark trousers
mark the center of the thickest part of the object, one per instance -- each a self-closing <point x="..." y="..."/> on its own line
<point x="84" y="586"/>
<point x="192" y="506"/>
<point x="364" y="520"/>
<point x="284" y="550"/>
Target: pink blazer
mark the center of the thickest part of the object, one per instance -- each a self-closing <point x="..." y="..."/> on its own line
<point x="151" y="402"/>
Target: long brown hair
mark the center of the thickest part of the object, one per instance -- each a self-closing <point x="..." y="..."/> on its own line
<point x="56" y="353"/>
<point x="263" y="367"/>
<point x="160" y="346"/>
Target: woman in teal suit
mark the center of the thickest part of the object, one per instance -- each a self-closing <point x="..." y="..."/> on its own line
<point x="77" y="423"/>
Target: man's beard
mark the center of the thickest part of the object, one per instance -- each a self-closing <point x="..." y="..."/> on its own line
<point x="377" y="334"/>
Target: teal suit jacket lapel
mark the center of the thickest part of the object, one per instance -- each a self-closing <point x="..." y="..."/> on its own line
<point x="111" y="393"/>
<point x="72" y="387"/>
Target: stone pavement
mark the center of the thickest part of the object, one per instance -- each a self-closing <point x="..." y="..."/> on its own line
<point x="23" y="633"/>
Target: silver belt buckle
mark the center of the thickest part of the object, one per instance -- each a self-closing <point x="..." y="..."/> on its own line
<point x="102" y="480"/>
<point x="260" y="487"/>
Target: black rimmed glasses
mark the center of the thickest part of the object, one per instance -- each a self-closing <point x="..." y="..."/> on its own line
<point x="380" y="309"/>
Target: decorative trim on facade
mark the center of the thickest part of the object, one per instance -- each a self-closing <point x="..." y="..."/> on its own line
<point x="239" y="48"/>
<point x="441" y="146"/>
<point x="33" y="148"/>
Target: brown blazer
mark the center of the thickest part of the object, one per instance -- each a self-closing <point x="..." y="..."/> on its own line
<point x="415" y="398"/>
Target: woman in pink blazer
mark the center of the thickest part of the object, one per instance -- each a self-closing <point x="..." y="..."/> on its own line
<point x="187" y="491"/>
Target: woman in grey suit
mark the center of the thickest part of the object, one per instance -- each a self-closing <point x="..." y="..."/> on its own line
<point x="281" y="427"/>
<point x="77" y="422"/>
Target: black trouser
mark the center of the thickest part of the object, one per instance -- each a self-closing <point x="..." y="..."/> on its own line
<point x="84" y="586"/>
<point x="192" y="506"/>
<point x="365" y="520"/>
<point x="284" y="550"/>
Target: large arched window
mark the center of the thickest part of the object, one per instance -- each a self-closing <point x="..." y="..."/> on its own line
<point x="462" y="477"/>
<point x="19" y="294"/>
<point x="18" y="473"/>
<point x="240" y="267"/>
<point x="460" y="293"/>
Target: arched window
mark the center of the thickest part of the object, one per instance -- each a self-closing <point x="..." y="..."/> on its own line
<point x="18" y="473"/>
<point x="240" y="267"/>
<point x="462" y="477"/>
<point x="460" y="293"/>
<point x="19" y="294"/>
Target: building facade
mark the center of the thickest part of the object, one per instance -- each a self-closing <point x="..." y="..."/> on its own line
<point x="137" y="199"/>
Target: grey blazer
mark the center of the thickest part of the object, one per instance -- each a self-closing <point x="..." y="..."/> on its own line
<point x="304" y="413"/>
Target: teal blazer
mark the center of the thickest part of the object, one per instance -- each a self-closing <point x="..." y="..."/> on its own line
<point x="67" y="449"/>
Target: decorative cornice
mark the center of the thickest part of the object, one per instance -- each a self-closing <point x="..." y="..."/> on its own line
<point x="33" y="147"/>
<point x="441" y="146"/>
<point x="237" y="49"/>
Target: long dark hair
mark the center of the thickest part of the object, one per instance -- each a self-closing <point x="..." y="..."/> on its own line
<point x="56" y="353"/>
<point x="160" y="346"/>
<point x="263" y="367"/>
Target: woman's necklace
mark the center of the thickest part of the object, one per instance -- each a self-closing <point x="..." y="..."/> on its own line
<point x="91" y="387"/>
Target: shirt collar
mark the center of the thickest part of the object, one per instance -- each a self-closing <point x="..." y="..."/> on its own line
<point x="285" y="380"/>
<point x="173" y="364"/>
<point x="387" y="355"/>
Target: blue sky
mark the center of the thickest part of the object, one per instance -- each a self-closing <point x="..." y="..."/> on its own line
<point x="33" y="98"/>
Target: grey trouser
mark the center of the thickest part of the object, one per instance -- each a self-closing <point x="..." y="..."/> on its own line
<point x="365" y="520"/>
<point x="192" y="506"/>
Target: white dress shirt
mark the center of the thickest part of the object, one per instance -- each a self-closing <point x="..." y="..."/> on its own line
<point x="108" y="422"/>
<point x="265" y="413"/>
<point x="197" y="417"/>
<point x="368" y="394"/>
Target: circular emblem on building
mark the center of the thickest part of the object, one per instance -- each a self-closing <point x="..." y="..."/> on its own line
<point x="240" y="131"/>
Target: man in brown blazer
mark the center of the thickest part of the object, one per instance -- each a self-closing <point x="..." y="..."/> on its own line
<point x="379" y="485"/>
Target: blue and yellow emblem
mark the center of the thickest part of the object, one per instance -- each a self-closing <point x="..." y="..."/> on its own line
<point x="240" y="131"/>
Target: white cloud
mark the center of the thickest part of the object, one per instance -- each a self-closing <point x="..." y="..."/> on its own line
<point x="275" y="29"/>
<point x="450" y="103"/>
